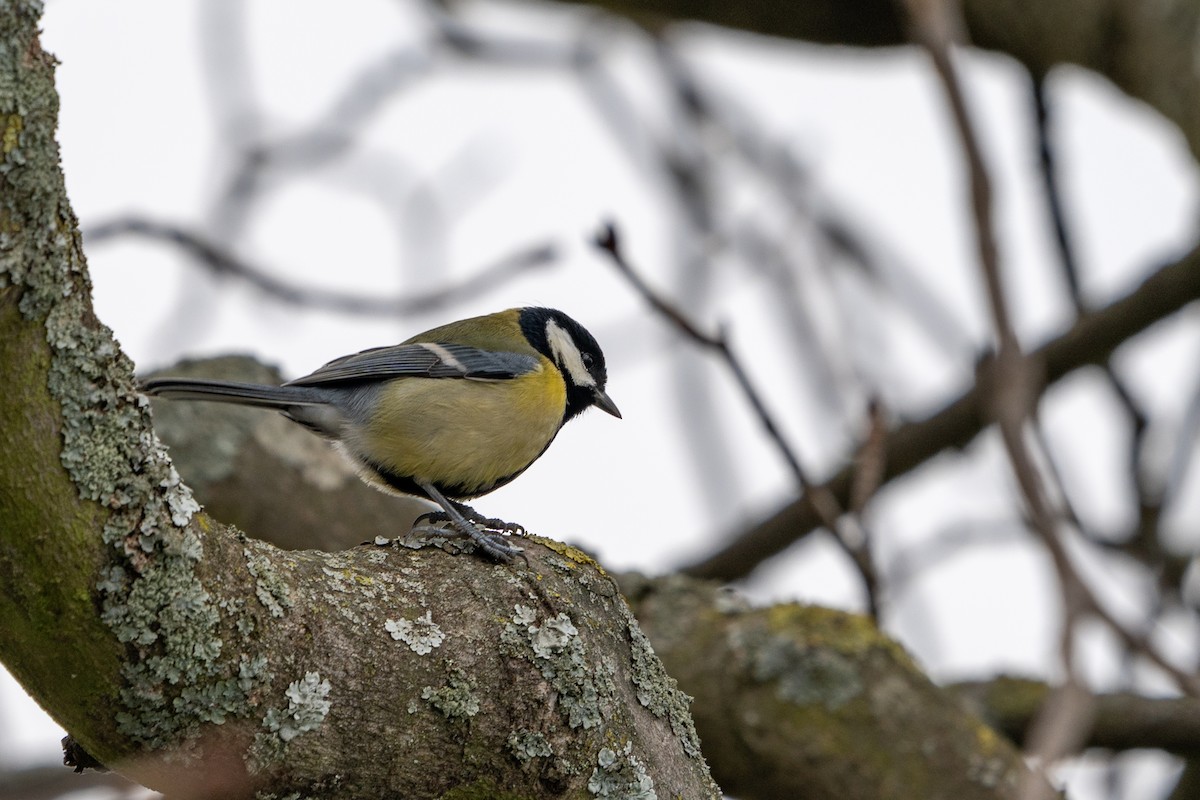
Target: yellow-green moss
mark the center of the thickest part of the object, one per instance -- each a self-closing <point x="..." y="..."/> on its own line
<point x="1010" y="697"/>
<point x="851" y="634"/>
<point x="11" y="138"/>
<point x="481" y="790"/>
<point x="573" y="554"/>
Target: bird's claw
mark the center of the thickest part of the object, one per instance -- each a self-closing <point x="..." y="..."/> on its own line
<point x="488" y="536"/>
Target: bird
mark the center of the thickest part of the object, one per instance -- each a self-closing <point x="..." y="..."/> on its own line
<point x="447" y="415"/>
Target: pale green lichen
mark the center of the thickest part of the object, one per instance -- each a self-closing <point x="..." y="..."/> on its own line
<point x="149" y="595"/>
<point x="553" y="637"/>
<point x="557" y="649"/>
<point x="236" y="606"/>
<point x="177" y="680"/>
<point x="252" y="672"/>
<point x="523" y="615"/>
<point x="528" y="745"/>
<point x="421" y="635"/>
<point x="457" y="699"/>
<point x="306" y="709"/>
<point x="621" y="775"/>
<point x="803" y="675"/>
<point x="307" y="706"/>
<point x="658" y="691"/>
<point x="269" y="586"/>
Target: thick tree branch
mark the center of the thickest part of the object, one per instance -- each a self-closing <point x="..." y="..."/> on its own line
<point x="820" y="691"/>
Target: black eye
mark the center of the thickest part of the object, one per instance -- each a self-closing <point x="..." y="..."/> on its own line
<point x="587" y="360"/>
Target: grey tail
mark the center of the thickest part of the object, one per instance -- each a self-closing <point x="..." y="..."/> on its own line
<point x="246" y="394"/>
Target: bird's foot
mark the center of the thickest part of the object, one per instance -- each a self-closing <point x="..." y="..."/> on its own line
<point x="492" y="524"/>
<point x="487" y="534"/>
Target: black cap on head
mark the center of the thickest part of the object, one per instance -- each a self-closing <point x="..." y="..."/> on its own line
<point x="577" y="355"/>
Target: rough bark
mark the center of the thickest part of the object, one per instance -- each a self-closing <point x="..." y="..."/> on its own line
<point x="207" y="664"/>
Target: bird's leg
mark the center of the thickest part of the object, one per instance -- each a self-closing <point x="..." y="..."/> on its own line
<point x="487" y="523"/>
<point x="492" y="544"/>
<point x="492" y="524"/>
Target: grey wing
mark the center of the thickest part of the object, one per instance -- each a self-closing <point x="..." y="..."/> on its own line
<point x="422" y="359"/>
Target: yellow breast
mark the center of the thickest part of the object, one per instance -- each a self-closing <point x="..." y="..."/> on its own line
<point x="465" y="435"/>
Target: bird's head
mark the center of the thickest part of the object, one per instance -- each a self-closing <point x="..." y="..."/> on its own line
<point x="576" y="354"/>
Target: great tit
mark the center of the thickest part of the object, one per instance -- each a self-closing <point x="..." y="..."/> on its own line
<point x="448" y="415"/>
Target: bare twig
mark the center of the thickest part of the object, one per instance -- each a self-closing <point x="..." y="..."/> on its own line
<point x="606" y="239"/>
<point x="823" y="503"/>
<point x="1065" y="718"/>
<point x="871" y="460"/>
<point x="1184" y="456"/>
<point x="494" y="49"/>
<point x="779" y="168"/>
<point x="221" y="262"/>
<point x="686" y="171"/>
<point x="1054" y="203"/>
<point x="1144" y="545"/>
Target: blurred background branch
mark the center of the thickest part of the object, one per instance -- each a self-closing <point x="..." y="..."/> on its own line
<point x="213" y="258"/>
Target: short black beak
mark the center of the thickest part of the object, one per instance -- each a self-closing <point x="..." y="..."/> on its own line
<point x="603" y="402"/>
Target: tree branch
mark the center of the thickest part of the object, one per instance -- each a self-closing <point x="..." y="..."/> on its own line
<point x="818" y="690"/>
<point x="1121" y="722"/>
<point x="221" y="262"/>
<point x="1090" y="341"/>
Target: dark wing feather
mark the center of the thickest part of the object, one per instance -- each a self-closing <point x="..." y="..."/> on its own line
<point x="421" y="360"/>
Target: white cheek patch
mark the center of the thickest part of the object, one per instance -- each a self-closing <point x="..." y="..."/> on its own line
<point x="567" y="355"/>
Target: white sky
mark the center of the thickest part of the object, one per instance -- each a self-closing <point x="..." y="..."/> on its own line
<point x="137" y="138"/>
